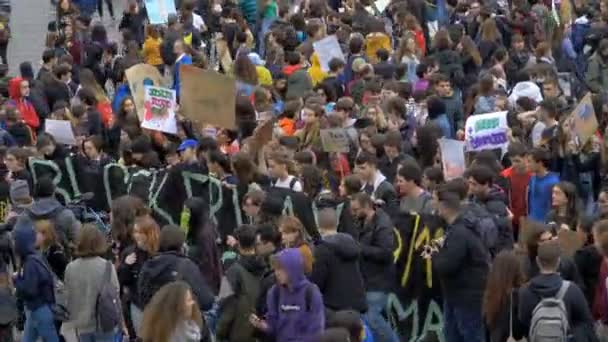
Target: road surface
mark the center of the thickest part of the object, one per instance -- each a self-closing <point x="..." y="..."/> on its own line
<point x="29" y="21"/>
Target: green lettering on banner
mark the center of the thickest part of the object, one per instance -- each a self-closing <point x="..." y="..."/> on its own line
<point x="484" y="124"/>
<point x="56" y="180"/>
<point x="154" y="205"/>
<point x="214" y="206"/>
<point x="106" y="179"/>
<point x="433" y="322"/>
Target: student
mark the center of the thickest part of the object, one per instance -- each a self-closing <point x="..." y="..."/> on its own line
<point x="549" y="284"/>
<point x="279" y="171"/>
<point x="377" y="242"/>
<point x="242" y="282"/>
<point x="336" y="267"/>
<point x="518" y="176"/>
<point x="186" y="323"/>
<point x="453" y="103"/>
<point x="500" y="302"/>
<point x="462" y="265"/>
<point x="295" y="305"/>
<point x="84" y="276"/>
<point x="375" y="183"/>
<point x="413" y="197"/>
<point x="541" y="183"/>
<point x="438" y="115"/>
<point x="34" y="285"/>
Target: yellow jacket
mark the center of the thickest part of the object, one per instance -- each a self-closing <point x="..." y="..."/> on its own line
<point x="374" y="42"/>
<point x="264" y="75"/>
<point x="317" y="75"/>
<point x="151" y="51"/>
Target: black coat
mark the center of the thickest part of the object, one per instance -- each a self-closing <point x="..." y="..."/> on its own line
<point x="588" y="262"/>
<point x="462" y="264"/>
<point x="547" y="285"/>
<point x="500" y="330"/>
<point x="168" y="267"/>
<point x="128" y="275"/>
<point x="56" y="91"/>
<point x="337" y="273"/>
<point x="377" y="241"/>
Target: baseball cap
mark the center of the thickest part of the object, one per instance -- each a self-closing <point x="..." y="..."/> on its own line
<point x="188" y="143"/>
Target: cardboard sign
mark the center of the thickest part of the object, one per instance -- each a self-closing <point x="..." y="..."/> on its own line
<point x="335" y="140"/>
<point x="208" y="97"/>
<point x="487" y="132"/>
<point x="327" y="49"/>
<point x="452" y="158"/>
<point x="263" y="134"/>
<point x="139" y="76"/>
<point x="61" y="130"/>
<point x="583" y="122"/>
<point x="159" y="10"/>
<point x="159" y="114"/>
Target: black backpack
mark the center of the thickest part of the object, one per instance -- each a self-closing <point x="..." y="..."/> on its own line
<point x="107" y="306"/>
<point x="154" y="283"/>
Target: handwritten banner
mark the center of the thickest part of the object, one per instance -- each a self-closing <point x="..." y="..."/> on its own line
<point x="159" y="10"/>
<point x="487" y="132"/>
<point x="139" y="76"/>
<point x="583" y="122"/>
<point x="159" y="109"/>
<point x="327" y="49"/>
<point x="335" y="140"/>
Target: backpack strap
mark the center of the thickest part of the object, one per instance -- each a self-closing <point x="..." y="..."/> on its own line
<point x="308" y="297"/>
<point x="292" y="183"/>
<point x="562" y="290"/>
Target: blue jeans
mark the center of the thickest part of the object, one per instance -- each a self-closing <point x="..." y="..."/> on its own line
<point x="463" y="324"/>
<point x="97" y="337"/>
<point x="39" y="324"/>
<point x="381" y="329"/>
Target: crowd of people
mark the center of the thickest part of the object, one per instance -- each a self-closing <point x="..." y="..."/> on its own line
<point x="313" y="254"/>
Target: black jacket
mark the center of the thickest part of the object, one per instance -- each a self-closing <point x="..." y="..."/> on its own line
<point x="128" y="275"/>
<point x="547" y="285"/>
<point x="337" y="273"/>
<point x="567" y="269"/>
<point x="56" y="258"/>
<point x="168" y="267"/>
<point x="56" y="91"/>
<point x="588" y="262"/>
<point x="494" y="203"/>
<point x="462" y="264"/>
<point x="377" y="241"/>
<point x="386" y="70"/>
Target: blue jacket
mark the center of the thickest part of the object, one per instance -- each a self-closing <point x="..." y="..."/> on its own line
<point x="122" y="92"/>
<point x="443" y="122"/>
<point x="539" y="195"/>
<point x="292" y="319"/>
<point x="34" y="282"/>
<point x="185" y="60"/>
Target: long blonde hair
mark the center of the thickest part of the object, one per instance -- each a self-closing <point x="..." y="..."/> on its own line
<point x="157" y="325"/>
<point x="489" y="31"/>
<point x="47" y="229"/>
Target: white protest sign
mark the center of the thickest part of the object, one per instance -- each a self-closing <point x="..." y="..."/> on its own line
<point x="159" y="110"/>
<point x="159" y="10"/>
<point x="327" y="49"/>
<point x="335" y="140"/>
<point x="487" y="132"/>
<point x="61" y="130"/>
<point x="452" y="158"/>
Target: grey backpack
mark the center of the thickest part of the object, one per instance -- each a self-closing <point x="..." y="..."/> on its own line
<point x="550" y="318"/>
<point x="108" y="311"/>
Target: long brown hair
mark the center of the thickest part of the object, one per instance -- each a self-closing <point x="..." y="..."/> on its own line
<point x="148" y="227"/>
<point x="124" y="211"/>
<point x="468" y="47"/>
<point x="505" y="275"/>
<point x="244" y="70"/>
<point x="157" y="326"/>
<point x="489" y="31"/>
<point x="442" y="40"/>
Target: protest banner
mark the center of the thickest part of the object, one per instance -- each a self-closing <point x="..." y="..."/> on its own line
<point x="139" y="76"/>
<point x="207" y="96"/>
<point x="452" y="158"/>
<point x="335" y="140"/>
<point x="487" y="132"/>
<point x="583" y="122"/>
<point x="263" y="134"/>
<point x="327" y="49"/>
<point x="61" y="130"/>
<point x="159" y="10"/>
<point x="159" y="114"/>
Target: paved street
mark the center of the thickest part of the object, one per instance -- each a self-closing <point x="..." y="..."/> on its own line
<point x="29" y="21"/>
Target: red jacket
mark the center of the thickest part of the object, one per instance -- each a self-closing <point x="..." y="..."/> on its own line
<point x="23" y="105"/>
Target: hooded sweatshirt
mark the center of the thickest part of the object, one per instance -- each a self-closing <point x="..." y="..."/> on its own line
<point x="34" y="282"/>
<point x="25" y="107"/>
<point x="337" y="273"/>
<point x="290" y="318"/>
<point x="64" y="220"/>
<point x="539" y="195"/>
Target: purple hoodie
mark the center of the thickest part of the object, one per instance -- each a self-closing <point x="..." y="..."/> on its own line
<point x="292" y="319"/>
